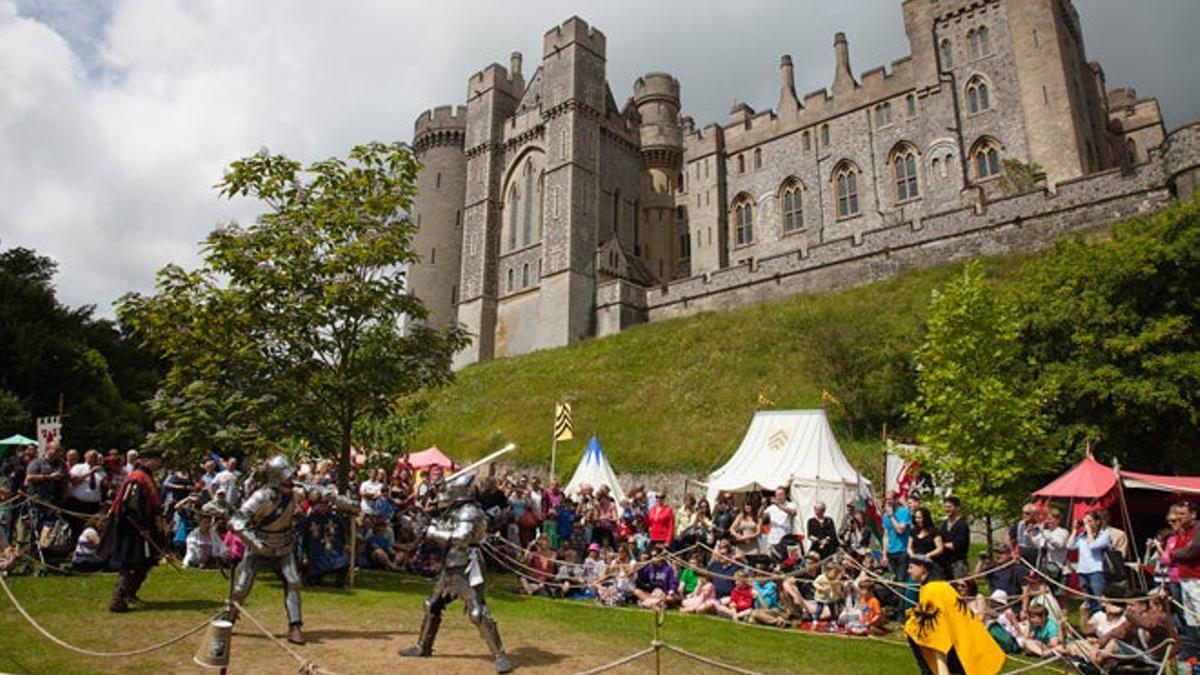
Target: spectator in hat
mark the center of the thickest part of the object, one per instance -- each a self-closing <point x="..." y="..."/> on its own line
<point x="1003" y="573"/>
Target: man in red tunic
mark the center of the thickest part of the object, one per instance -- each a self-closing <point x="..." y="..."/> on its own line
<point x="134" y="538"/>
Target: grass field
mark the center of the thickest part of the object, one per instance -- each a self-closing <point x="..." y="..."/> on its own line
<point x="360" y="631"/>
<point x="677" y="396"/>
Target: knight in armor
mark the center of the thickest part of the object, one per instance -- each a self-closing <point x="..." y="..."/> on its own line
<point x="266" y="522"/>
<point x="135" y="537"/>
<point x="460" y="528"/>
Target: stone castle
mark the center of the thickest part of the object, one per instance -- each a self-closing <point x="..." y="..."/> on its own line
<point x="547" y="213"/>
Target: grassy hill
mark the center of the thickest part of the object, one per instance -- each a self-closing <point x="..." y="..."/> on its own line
<point x="677" y="396"/>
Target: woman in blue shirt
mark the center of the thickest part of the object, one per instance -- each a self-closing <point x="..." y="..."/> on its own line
<point x="1091" y="540"/>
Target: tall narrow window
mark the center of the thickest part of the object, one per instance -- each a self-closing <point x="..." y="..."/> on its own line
<point x="911" y="103"/>
<point x="973" y="43"/>
<point x="514" y="200"/>
<point x="947" y="55"/>
<point x="616" y="211"/>
<point x="741" y="163"/>
<point x="807" y="141"/>
<point x="743" y="218"/>
<point x="525" y="275"/>
<point x="845" y="181"/>
<point x="792" y="205"/>
<point x="433" y="256"/>
<point x="977" y="95"/>
<point x="904" y="170"/>
<point x="527" y="216"/>
<point x="883" y="114"/>
<point x="758" y="158"/>
<point x="510" y="279"/>
<point x="825" y="135"/>
<point x="438" y="181"/>
<point x="985" y="42"/>
<point x="985" y="157"/>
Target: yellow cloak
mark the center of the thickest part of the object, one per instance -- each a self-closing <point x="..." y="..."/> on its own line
<point x="942" y="622"/>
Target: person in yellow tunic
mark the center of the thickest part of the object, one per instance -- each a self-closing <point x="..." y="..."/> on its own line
<point x="945" y="635"/>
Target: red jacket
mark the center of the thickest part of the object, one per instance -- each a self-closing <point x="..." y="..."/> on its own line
<point x="1186" y="555"/>
<point x="661" y="520"/>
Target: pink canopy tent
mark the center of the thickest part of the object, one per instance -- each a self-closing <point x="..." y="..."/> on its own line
<point x="430" y="456"/>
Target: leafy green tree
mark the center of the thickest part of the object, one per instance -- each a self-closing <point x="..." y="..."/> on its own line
<point x="979" y="422"/>
<point x="52" y="351"/>
<point x="1115" y="323"/>
<point x="298" y="326"/>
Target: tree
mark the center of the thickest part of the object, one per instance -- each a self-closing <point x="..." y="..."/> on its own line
<point x="51" y="350"/>
<point x="1114" y="323"/>
<point x="979" y="422"/>
<point x="298" y="326"/>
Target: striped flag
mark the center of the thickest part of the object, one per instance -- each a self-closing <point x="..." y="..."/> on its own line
<point x="564" y="426"/>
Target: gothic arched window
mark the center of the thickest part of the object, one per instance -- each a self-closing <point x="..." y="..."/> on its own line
<point x="947" y="55"/>
<point x="845" y="183"/>
<point x="904" y="170"/>
<point x="743" y="219"/>
<point x="791" y="205"/>
<point x="985" y="157"/>
<point x="514" y="210"/>
<point x="977" y="95"/>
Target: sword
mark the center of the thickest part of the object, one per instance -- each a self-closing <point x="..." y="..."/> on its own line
<point x="486" y="460"/>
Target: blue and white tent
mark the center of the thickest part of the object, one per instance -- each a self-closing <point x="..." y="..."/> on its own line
<point x="595" y="470"/>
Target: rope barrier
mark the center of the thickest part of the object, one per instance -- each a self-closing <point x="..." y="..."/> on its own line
<point x="705" y="660"/>
<point x="618" y="663"/>
<point x="88" y="652"/>
<point x="307" y="666"/>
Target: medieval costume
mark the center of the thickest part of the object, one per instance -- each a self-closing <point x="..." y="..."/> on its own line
<point x="945" y="634"/>
<point x="266" y="522"/>
<point x="460" y="529"/>
<point x="135" y="538"/>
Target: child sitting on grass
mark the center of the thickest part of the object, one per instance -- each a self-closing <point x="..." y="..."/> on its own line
<point x="740" y="603"/>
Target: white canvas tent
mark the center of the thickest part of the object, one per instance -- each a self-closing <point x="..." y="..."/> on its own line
<point x="594" y="470"/>
<point x="796" y="449"/>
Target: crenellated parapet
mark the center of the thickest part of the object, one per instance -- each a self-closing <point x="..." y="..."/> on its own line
<point x="443" y="125"/>
<point x="573" y="31"/>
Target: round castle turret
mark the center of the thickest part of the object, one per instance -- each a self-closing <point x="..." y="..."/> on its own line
<point x="438" y="137"/>
<point x="656" y="96"/>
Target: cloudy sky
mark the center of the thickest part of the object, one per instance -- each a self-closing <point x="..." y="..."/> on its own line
<point x="117" y="116"/>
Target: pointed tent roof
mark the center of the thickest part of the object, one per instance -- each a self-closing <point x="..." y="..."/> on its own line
<point x="428" y="457"/>
<point x="595" y="470"/>
<point x="1089" y="479"/>
<point x="18" y="439"/>
<point x="795" y="449"/>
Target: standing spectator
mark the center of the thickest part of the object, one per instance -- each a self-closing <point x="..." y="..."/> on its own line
<point x="822" y="532"/>
<point x="175" y="488"/>
<point x="86" y="490"/>
<point x="1052" y="542"/>
<point x="210" y="472"/>
<point x="780" y="515"/>
<point x="926" y="540"/>
<point x="1002" y="573"/>
<point x="131" y="457"/>
<point x="661" y="521"/>
<point x="956" y="539"/>
<point x="896" y="523"/>
<point x="45" y="481"/>
<point x="1022" y="536"/>
<point x="855" y="536"/>
<point x="745" y="531"/>
<point x="1091" y="540"/>
<point x="1186" y="558"/>
<point x="723" y="517"/>
<point x="72" y="458"/>
<point x="606" y="518"/>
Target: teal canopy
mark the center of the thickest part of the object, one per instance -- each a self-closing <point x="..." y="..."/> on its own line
<point x="17" y="439"/>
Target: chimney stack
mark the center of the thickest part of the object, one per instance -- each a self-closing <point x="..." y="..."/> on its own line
<point x="787" y="85"/>
<point x="843" y="80"/>
<point x="515" y="65"/>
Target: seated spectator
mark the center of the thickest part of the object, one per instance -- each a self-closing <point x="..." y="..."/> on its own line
<point x="1003" y="574"/>
<point x="381" y="549"/>
<point x="324" y="544"/>
<point x="1002" y="623"/>
<point x="722" y="568"/>
<point x="541" y="562"/>
<point x="204" y="546"/>
<point x="1142" y="638"/>
<point x="618" y="588"/>
<point x="657" y="584"/>
<point x="87" y="549"/>
<point x="767" y="608"/>
<point x="799" y="587"/>
<point x="689" y="578"/>
<point x="702" y="599"/>
<point x="593" y="565"/>
<point x="1040" y="636"/>
<point x="740" y="603"/>
<point x="1036" y="594"/>
<point x="828" y="591"/>
<point x="569" y="577"/>
<point x="871" y="613"/>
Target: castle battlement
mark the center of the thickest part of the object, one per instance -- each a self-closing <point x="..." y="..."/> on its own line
<point x="495" y="77"/>
<point x="441" y="117"/>
<point x="574" y="31"/>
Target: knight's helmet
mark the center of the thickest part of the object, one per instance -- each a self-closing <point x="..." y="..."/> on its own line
<point x="277" y="470"/>
<point x="456" y="491"/>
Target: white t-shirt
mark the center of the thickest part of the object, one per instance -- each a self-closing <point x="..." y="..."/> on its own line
<point x="781" y="522"/>
<point x="84" y="490"/>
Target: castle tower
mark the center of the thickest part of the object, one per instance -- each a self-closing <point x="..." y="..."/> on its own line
<point x="437" y="211"/>
<point x="492" y="96"/>
<point x="574" y="105"/>
<point x="656" y="241"/>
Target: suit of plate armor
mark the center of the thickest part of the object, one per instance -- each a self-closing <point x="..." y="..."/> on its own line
<point x="266" y="522"/>
<point x="460" y="529"/>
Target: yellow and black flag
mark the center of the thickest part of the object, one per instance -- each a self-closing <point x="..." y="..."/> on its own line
<point x="564" y="426"/>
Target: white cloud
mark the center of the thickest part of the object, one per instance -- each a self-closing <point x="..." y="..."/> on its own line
<point x="117" y="117"/>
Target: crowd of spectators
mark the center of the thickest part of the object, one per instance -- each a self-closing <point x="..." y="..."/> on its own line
<point x="750" y="558"/>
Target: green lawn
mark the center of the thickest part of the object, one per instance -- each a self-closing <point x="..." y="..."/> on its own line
<point x="359" y="631"/>
<point x="676" y="396"/>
